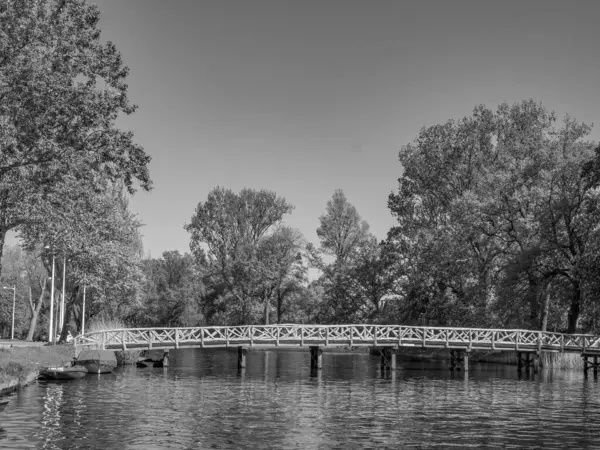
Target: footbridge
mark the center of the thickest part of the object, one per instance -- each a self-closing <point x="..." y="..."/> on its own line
<point x="460" y="341"/>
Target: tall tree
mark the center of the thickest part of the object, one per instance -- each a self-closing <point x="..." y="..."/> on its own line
<point x="492" y="206"/>
<point x="61" y="91"/>
<point x="341" y="228"/>
<point x="278" y="268"/>
<point x="356" y="279"/>
<point x="231" y="227"/>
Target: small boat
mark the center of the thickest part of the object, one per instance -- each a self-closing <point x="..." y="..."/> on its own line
<point x="97" y="361"/>
<point x="3" y="405"/>
<point x="63" y="373"/>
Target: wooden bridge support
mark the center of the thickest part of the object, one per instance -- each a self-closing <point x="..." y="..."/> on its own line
<point x="594" y="364"/>
<point x="459" y="359"/>
<point x="241" y="353"/>
<point x="160" y="361"/>
<point x="528" y="361"/>
<point x="388" y="358"/>
<point x="316" y="358"/>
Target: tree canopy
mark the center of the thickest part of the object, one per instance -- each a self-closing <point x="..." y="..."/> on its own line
<point x="61" y="91"/>
<point x="492" y="210"/>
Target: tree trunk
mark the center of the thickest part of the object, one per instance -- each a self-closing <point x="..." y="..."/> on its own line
<point x="546" y="309"/>
<point x="279" y="306"/>
<point x="35" y="311"/>
<point x="532" y="296"/>
<point x="68" y="314"/>
<point x="2" y="238"/>
<point x="266" y="309"/>
<point x="575" y="308"/>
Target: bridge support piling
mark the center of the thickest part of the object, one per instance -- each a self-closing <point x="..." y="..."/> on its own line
<point x="316" y="358"/>
<point x="587" y="364"/>
<point x="459" y="359"/>
<point x="242" y="351"/>
<point x="528" y="361"/>
<point x="388" y="358"/>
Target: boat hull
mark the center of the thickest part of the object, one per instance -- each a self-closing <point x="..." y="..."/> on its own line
<point x="63" y="373"/>
<point x="96" y="366"/>
<point x="97" y="361"/>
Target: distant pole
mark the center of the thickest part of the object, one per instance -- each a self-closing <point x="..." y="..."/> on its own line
<point x="83" y="312"/>
<point x="12" y="331"/>
<point x="51" y="334"/>
<point x="62" y="303"/>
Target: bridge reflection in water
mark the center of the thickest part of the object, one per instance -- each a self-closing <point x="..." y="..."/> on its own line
<point x="460" y="342"/>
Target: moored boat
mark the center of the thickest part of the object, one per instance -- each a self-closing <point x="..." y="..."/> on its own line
<point x="97" y="361"/>
<point x="63" y="373"/>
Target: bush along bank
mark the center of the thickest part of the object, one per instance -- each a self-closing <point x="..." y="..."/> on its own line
<point x="20" y="366"/>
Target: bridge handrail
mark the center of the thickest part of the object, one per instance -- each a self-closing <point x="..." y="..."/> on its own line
<point x="294" y="334"/>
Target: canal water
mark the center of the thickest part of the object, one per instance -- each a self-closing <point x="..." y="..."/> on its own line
<point x="200" y="401"/>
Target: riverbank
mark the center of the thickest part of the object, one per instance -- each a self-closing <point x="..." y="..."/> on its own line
<point x="21" y="365"/>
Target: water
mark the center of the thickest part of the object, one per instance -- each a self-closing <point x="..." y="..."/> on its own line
<point x="200" y="401"/>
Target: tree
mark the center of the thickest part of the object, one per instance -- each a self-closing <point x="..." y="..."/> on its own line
<point x="491" y="207"/>
<point x="341" y="228"/>
<point x="172" y="292"/>
<point x="231" y="227"/>
<point x="278" y="269"/>
<point x="61" y="91"/>
<point x="357" y="278"/>
<point x="100" y="248"/>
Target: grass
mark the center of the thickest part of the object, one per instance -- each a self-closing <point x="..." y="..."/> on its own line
<point x="123" y="358"/>
<point x="21" y="365"/>
<point x="548" y="360"/>
<point x="561" y="360"/>
<point x="101" y="324"/>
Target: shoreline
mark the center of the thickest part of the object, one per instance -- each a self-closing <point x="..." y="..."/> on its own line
<point x="20" y="365"/>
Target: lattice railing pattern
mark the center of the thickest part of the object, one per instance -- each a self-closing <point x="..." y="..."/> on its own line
<point x="336" y="335"/>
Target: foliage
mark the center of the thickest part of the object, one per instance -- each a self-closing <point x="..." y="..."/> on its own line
<point x="250" y="261"/>
<point x="171" y="292"/>
<point x="357" y="279"/>
<point x="100" y="249"/>
<point x="493" y="211"/>
<point x="61" y="91"/>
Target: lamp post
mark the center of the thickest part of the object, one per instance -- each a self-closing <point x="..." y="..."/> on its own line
<point x="14" y="289"/>
<point x="83" y="311"/>
<point x="50" y="331"/>
<point x="62" y="303"/>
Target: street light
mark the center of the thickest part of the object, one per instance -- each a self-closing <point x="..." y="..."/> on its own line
<point x="62" y="303"/>
<point x="83" y="311"/>
<point x="14" y="289"/>
<point x="50" y="334"/>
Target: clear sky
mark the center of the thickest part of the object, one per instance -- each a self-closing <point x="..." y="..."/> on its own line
<point x="307" y="96"/>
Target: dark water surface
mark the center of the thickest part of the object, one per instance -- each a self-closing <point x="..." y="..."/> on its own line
<point x="200" y="401"/>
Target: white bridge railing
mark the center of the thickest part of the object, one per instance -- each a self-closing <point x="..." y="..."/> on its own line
<point x="338" y="335"/>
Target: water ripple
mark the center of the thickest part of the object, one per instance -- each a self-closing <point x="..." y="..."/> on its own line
<point x="201" y="402"/>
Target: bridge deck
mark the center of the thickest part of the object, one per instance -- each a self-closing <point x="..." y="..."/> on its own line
<point x="339" y="335"/>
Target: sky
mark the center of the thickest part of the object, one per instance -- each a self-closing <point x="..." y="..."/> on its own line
<point x="304" y="97"/>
